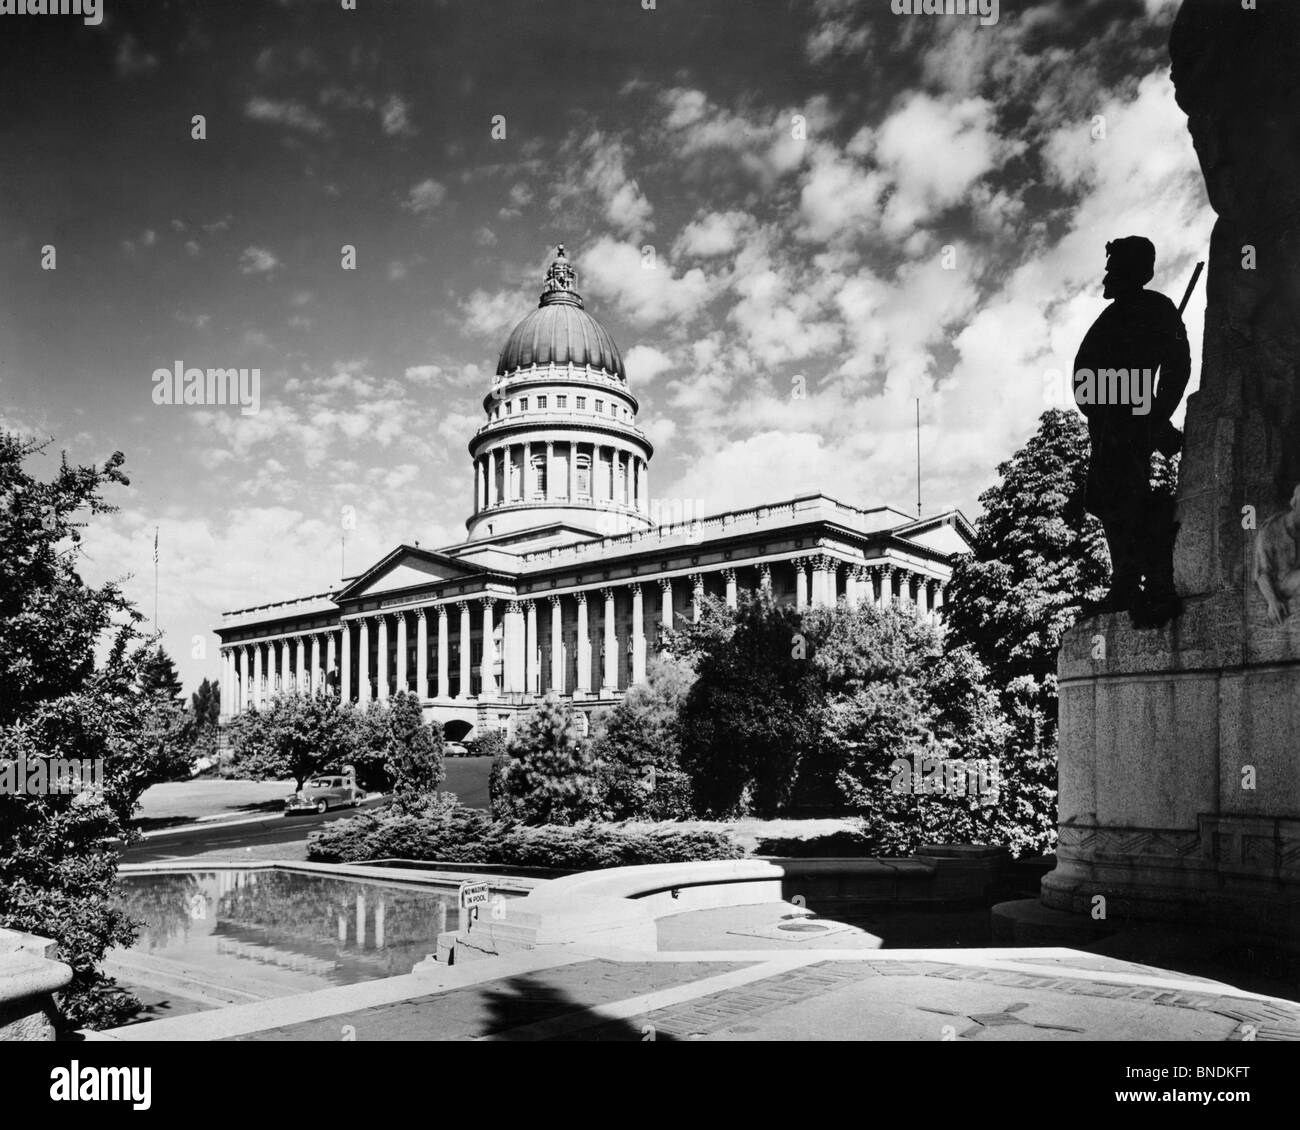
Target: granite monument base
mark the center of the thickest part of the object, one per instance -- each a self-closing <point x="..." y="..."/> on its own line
<point x="1180" y="770"/>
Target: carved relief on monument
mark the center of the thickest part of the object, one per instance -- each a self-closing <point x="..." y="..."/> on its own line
<point x="1277" y="561"/>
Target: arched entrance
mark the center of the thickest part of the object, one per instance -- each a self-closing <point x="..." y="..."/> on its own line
<point x="457" y="730"/>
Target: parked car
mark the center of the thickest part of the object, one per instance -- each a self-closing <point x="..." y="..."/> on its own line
<point x="454" y="749"/>
<point x="321" y="793"/>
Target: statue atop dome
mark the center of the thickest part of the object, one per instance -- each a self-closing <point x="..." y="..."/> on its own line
<point x="559" y="279"/>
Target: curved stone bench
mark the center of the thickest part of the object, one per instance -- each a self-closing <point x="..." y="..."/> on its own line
<point x="619" y="906"/>
<point x="28" y="979"/>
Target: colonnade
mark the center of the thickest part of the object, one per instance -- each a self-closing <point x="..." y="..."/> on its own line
<point x="554" y="472"/>
<point x="591" y="642"/>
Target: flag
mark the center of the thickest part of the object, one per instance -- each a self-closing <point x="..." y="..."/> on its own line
<point x="155" y="545"/>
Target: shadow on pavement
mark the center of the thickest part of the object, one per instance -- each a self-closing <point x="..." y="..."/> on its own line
<point x="518" y="1007"/>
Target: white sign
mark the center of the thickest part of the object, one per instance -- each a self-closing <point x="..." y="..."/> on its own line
<point x="472" y="895"/>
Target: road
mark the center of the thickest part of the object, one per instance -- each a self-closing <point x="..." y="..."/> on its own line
<point x="466" y="777"/>
<point x="195" y="839"/>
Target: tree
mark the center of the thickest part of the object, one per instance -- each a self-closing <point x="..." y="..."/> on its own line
<point x="1039" y="563"/>
<point x="638" y="747"/>
<point x="549" y="778"/>
<point x="296" y="736"/>
<point x="206" y="705"/>
<point x="754" y="710"/>
<point x="159" y="675"/>
<point x="58" y="868"/>
<point x="415" y="759"/>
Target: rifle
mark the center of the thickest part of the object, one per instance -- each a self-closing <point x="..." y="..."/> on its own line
<point x="1170" y="440"/>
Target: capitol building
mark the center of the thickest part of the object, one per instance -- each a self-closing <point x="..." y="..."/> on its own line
<point x="570" y="573"/>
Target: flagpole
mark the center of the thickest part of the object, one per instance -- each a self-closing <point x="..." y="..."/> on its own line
<point x="918" y="456"/>
<point x="155" y="578"/>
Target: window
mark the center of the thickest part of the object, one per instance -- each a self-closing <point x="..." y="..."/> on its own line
<point x="539" y="476"/>
<point x="613" y="408"/>
<point x="523" y="404"/>
<point x="600" y="406"/>
<point x="584" y="475"/>
<point x="582" y="404"/>
<point x="561" y="402"/>
<point x="510" y="407"/>
<point x="541" y="403"/>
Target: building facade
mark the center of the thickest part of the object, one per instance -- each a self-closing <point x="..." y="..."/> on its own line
<point x="570" y="575"/>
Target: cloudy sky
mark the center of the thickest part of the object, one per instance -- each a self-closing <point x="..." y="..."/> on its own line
<point x="886" y="207"/>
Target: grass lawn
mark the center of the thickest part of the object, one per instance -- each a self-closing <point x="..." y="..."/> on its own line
<point x="178" y="802"/>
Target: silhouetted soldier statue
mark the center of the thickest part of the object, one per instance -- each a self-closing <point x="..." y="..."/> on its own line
<point x="1137" y="336"/>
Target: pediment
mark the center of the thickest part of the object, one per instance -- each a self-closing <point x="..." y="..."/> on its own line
<point x="405" y="568"/>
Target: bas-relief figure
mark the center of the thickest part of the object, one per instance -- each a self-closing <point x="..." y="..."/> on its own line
<point x="1277" y="561"/>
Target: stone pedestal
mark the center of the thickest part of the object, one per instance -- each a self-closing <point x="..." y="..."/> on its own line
<point x="1179" y="770"/>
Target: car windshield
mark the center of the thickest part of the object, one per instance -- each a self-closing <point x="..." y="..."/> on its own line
<point x="320" y="783"/>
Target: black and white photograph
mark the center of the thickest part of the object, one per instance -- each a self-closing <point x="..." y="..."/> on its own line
<point x="641" y="521"/>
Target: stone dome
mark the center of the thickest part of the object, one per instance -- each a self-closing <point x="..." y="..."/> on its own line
<point x="560" y="331"/>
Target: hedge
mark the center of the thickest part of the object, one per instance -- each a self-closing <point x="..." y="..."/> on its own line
<point x="464" y="835"/>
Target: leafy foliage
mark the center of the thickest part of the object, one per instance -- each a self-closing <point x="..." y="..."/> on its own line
<point x="638" y="749"/>
<point x="415" y="763"/>
<point x="159" y="677"/>
<point x="550" y="775"/>
<point x="58" y="865"/>
<point x="298" y="736"/>
<point x="747" y="719"/>
<point x="447" y="833"/>
<point x="1039" y="562"/>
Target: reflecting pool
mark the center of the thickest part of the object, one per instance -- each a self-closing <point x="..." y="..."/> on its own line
<point x="212" y="938"/>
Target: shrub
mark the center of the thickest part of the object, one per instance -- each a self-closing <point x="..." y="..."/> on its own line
<point x="450" y="834"/>
<point x="637" y="748"/>
<point x="549" y="778"/>
<point x="489" y="744"/>
<point x="833" y="845"/>
<point x="414" y="760"/>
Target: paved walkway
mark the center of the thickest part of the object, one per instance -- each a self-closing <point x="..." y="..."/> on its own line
<point x="751" y="983"/>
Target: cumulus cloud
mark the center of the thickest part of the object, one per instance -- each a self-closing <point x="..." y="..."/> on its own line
<point x="425" y="196"/>
<point x="291" y="114"/>
<point x="257" y="261"/>
<point x="647" y="296"/>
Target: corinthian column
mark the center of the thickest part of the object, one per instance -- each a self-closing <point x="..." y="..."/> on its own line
<point x="487" y="670"/>
<point x="532" y="649"/>
<point x="381" y="659"/>
<point x="584" y="647"/>
<point x="363" y="660"/>
<point x="402" y="661"/>
<point x="444" y="657"/>
<point x="466" y="644"/>
<point x="729" y="576"/>
<point x="557" y="645"/>
<point x="345" y="662"/>
<point x="638" y="636"/>
<point x="314" y="680"/>
<point x="610" y="682"/>
<point x="421" y="654"/>
<point x="800" y="583"/>
<point x="512" y="670"/>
